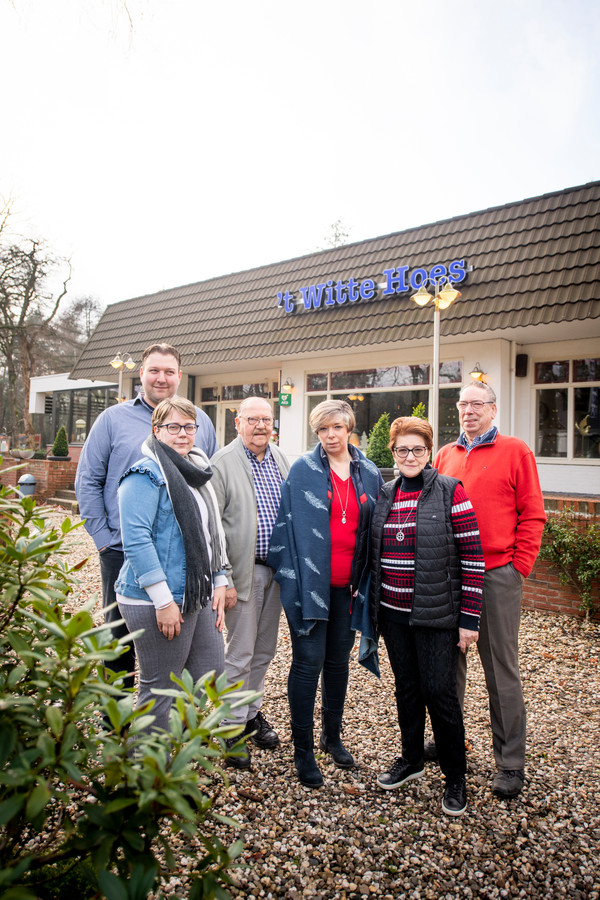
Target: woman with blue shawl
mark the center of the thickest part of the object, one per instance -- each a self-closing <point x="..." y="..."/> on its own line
<point x="319" y="550"/>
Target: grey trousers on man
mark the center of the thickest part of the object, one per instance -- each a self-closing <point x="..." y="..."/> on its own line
<point x="498" y="647"/>
<point x="252" y="627"/>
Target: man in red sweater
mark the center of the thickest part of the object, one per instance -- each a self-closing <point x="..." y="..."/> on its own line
<point x="500" y="477"/>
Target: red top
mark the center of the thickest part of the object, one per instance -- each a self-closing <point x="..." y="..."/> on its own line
<point x="502" y="483"/>
<point x="343" y="536"/>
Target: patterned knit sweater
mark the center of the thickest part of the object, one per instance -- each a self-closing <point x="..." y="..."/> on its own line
<point x="398" y="555"/>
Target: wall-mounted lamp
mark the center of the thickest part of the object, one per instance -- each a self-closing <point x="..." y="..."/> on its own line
<point x="355" y="397"/>
<point x="477" y="374"/>
<point x="119" y="363"/>
<point x="286" y="385"/>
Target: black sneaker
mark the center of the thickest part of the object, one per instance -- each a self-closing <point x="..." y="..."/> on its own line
<point x="261" y="732"/>
<point x="398" y="773"/>
<point x="454" y="801"/>
<point x="241" y="760"/>
<point x="508" y="783"/>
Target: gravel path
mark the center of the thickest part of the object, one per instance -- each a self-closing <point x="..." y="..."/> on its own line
<point x="352" y="840"/>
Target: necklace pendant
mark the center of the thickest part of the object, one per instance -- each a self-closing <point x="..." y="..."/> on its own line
<point x="400" y="536"/>
<point x="343" y="520"/>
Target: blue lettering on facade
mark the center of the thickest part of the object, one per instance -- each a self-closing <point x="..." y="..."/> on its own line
<point x="398" y="280"/>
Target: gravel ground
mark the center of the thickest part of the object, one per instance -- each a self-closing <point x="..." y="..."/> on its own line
<point x="352" y="840"/>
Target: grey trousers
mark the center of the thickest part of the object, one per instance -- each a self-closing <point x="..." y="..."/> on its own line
<point x="252" y="627"/>
<point x="198" y="648"/>
<point x="498" y="648"/>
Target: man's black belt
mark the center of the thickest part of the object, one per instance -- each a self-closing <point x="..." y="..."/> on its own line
<point x="259" y="562"/>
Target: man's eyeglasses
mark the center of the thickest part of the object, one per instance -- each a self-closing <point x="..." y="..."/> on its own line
<point x="255" y="420"/>
<point x="477" y="405"/>
<point x="173" y="428"/>
<point x="417" y="452"/>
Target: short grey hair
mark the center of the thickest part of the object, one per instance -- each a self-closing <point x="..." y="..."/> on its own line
<point x="247" y="400"/>
<point x="482" y="386"/>
<point x="332" y="409"/>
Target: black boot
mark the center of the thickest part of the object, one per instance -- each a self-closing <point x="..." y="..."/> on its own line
<point x="331" y="742"/>
<point x="304" y="757"/>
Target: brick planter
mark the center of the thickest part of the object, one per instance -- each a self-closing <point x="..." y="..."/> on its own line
<point x="50" y="475"/>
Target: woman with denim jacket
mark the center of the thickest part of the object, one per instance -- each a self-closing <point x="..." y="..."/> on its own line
<point x="172" y="584"/>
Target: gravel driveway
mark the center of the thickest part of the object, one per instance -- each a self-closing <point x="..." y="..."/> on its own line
<point x="352" y="840"/>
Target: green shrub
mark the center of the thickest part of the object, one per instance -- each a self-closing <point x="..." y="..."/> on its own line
<point x="419" y="411"/>
<point x="39" y="454"/>
<point x="572" y="545"/>
<point x="88" y="809"/>
<point x="60" y="447"/>
<point x="377" y="446"/>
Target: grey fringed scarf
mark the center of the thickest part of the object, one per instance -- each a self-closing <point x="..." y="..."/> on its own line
<point x="182" y="473"/>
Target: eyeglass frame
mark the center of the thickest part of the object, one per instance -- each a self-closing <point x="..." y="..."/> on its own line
<point x="472" y="403"/>
<point x="187" y="428"/>
<point x="409" y="450"/>
<point x="255" y="420"/>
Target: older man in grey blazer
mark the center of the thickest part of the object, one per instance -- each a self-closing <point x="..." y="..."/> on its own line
<point x="247" y="476"/>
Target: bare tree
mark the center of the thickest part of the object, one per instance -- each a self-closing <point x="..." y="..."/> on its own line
<point x="28" y="304"/>
<point x="337" y="237"/>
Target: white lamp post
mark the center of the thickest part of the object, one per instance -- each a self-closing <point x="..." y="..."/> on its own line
<point x="442" y="298"/>
<point x="119" y="363"/>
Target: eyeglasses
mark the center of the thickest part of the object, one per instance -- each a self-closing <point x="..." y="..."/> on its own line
<point x="476" y="405"/>
<point x="403" y="452"/>
<point x="173" y="428"/>
<point x="255" y="420"/>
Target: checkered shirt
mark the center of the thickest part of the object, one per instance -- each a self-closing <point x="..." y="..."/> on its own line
<point x="267" y="487"/>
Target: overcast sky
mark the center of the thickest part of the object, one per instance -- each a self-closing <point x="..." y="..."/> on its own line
<point x="211" y="137"/>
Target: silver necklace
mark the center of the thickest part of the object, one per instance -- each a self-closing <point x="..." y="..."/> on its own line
<point x="400" y="533"/>
<point x="344" y="506"/>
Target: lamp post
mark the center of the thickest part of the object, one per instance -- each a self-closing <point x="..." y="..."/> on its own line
<point x="119" y="363"/>
<point x="442" y="298"/>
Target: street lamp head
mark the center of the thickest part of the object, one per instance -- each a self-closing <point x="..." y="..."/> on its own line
<point x="117" y="362"/>
<point x="422" y="297"/>
<point x="447" y="296"/>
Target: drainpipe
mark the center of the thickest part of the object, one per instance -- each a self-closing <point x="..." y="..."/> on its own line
<point x="513" y="385"/>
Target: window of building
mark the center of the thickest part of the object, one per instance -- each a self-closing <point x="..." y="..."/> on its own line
<point x="568" y="409"/>
<point x="394" y="390"/>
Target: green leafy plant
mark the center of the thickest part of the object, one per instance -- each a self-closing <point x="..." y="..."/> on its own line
<point x="39" y="454"/>
<point x="60" y="447"/>
<point x="87" y="808"/>
<point x="571" y="544"/>
<point x="378" y="450"/>
<point x="419" y="411"/>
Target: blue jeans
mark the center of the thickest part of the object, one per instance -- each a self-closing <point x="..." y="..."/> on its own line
<point x="324" y="652"/>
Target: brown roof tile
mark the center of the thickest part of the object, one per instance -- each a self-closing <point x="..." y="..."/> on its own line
<point x="535" y="262"/>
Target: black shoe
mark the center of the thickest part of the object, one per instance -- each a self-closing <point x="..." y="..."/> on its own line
<point x="454" y="801"/>
<point x="430" y="753"/>
<point x="261" y="732"/>
<point x="508" y="782"/>
<point x="398" y="774"/>
<point x="241" y="760"/>
<point x="308" y="771"/>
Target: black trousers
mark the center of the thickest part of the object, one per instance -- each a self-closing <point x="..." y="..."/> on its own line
<point x="111" y="562"/>
<point x="424" y="663"/>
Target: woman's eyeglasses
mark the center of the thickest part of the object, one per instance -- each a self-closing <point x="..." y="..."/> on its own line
<point x="173" y="428"/>
<point x="417" y="452"/>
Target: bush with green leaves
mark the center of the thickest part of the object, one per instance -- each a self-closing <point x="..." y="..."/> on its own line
<point x="419" y="411"/>
<point x="571" y="544"/>
<point x="378" y="450"/>
<point x="86" y="807"/>
<point x="60" y="447"/>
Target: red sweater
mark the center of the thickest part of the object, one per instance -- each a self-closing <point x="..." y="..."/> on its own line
<point x="502" y="483"/>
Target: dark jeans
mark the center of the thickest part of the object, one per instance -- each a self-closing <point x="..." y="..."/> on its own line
<point x="424" y="662"/>
<point x="324" y="651"/>
<point x="110" y="565"/>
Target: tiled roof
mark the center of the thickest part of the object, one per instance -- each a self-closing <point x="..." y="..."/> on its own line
<point x="535" y="262"/>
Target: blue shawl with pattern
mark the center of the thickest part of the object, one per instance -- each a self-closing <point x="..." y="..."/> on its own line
<point x="300" y="550"/>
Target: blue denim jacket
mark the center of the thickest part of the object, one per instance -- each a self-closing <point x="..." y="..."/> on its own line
<point x="152" y="541"/>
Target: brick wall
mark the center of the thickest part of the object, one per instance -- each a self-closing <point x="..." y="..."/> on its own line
<point x="543" y="590"/>
<point x="50" y="475"/>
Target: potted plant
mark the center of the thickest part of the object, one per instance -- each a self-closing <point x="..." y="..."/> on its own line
<point x="60" y="447"/>
<point x="378" y="450"/>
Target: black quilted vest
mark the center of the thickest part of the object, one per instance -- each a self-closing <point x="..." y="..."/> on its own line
<point x="437" y="596"/>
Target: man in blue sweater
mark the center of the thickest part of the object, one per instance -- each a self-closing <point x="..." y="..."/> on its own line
<point x="113" y="444"/>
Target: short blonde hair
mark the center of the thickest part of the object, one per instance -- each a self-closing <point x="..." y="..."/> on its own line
<point x="331" y="409"/>
<point x="173" y="404"/>
<point x="411" y="425"/>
